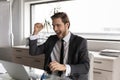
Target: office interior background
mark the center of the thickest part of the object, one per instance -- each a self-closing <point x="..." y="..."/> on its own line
<point x="96" y="20"/>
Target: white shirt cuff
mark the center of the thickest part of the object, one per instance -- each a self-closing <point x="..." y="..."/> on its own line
<point x="68" y="70"/>
<point x="33" y="37"/>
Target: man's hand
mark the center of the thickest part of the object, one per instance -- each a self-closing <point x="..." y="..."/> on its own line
<point x="37" y="27"/>
<point x="55" y="66"/>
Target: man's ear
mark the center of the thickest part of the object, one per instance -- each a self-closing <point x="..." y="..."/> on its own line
<point x="67" y="25"/>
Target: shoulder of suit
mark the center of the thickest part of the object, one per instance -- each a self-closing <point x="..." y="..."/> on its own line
<point x="78" y="37"/>
<point x="53" y="37"/>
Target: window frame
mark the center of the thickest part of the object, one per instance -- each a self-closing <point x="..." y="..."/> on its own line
<point x="88" y="36"/>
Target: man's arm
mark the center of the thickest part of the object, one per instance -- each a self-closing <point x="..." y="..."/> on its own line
<point x="82" y="67"/>
<point x="33" y="48"/>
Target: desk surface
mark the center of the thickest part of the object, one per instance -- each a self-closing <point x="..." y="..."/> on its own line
<point x="98" y="56"/>
<point x="33" y="73"/>
<point x="11" y="70"/>
<point x="5" y="76"/>
<point x="21" y="46"/>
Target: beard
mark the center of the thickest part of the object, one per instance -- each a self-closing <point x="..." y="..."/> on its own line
<point x="60" y="34"/>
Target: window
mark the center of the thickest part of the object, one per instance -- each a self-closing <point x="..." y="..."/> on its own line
<point x="89" y="17"/>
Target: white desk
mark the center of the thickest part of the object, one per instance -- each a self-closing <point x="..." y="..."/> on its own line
<point x="105" y="67"/>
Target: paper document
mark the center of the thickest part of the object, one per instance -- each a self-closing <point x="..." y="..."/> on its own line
<point x="2" y="69"/>
<point x="110" y="52"/>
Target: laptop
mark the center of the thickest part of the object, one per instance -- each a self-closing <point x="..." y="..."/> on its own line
<point x="16" y="71"/>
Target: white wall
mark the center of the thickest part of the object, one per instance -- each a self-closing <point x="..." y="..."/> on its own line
<point x="5" y="51"/>
<point x="4" y="24"/>
<point x="17" y="22"/>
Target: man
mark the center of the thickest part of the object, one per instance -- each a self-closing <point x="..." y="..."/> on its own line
<point x="75" y="63"/>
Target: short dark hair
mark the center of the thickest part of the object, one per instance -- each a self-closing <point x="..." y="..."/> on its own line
<point x="61" y="15"/>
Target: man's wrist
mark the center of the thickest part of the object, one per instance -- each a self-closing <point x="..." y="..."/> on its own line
<point x="33" y="37"/>
<point x="68" y="70"/>
<point x="64" y="67"/>
<point x="35" y="33"/>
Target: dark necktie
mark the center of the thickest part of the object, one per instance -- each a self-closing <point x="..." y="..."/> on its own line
<point x="61" y="56"/>
<point x="62" y="51"/>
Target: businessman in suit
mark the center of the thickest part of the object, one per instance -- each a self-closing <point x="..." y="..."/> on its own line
<point x="75" y="60"/>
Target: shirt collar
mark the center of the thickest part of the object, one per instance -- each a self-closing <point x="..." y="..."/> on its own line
<point x="67" y="37"/>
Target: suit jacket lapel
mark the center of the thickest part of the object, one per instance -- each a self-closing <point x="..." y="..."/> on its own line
<point x="53" y="44"/>
<point x="70" y="51"/>
<point x="48" y="55"/>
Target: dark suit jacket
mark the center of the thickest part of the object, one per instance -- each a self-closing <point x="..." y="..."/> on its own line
<point x="77" y="55"/>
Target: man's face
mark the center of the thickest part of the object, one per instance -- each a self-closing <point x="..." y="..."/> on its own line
<point x="60" y="28"/>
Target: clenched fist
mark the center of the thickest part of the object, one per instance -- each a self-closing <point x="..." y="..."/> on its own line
<point x="37" y="27"/>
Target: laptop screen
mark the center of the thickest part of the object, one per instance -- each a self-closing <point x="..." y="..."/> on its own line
<point x="16" y="71"/>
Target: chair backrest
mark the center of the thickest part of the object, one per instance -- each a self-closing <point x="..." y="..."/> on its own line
<point x="90" y="75"/>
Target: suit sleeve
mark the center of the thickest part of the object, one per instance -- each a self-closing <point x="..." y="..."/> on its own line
<point x="81" y="64"/>
<point x="34" y="49"/>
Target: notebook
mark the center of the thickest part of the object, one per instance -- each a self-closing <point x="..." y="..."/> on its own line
<point x="16" y="71"/>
